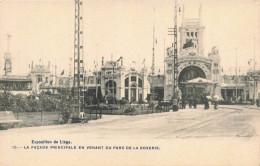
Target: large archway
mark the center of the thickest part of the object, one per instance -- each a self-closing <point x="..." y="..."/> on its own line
<point x="110" y="87"/>
<point x="191" y="72"/>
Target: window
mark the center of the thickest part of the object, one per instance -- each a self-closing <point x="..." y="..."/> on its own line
<point x="126" y="94"/>
<point x="215" y="64"/>
<point x="39" y="78"/>
<point x="91" y="80"/>
<point x="191" y="34"/>
<point x="133" y="78"/>
<point x="127" y="82"/>
<point x="140" y="83"/>
<point x="188" y="34"/>
<point x="196" y="34"/>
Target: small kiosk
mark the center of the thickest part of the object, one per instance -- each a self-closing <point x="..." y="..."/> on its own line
<point x="198" y="88"/>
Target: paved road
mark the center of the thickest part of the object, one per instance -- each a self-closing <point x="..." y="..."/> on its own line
<point x="190" y="123"/>
<point x="188" y="137"/>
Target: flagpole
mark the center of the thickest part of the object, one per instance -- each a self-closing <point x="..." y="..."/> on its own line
<point x="153" y="43"/>
<point x="236" y="74"/>
<point x="254" y="72"/>
<point x="164" y="57"/>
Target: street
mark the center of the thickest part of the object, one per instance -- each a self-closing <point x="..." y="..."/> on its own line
<point x="227" y="136"/>
<point x="227" y="121"/>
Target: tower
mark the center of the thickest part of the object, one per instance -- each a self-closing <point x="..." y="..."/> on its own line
<point x="78" y="81"/>
<point x="7" y="57"/>
<point x="191" y="36"/>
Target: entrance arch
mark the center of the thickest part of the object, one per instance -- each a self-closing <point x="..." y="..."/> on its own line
<point x="191" y="72"/>
<point x="110" y="87"/>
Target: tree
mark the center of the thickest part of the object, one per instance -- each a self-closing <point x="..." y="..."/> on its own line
<point x="7" y="100"/>
<point x="22" y="103"/>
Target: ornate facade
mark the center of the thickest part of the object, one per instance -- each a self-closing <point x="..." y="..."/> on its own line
<point x="121" y="83"/>
<point x="192" y="63"/>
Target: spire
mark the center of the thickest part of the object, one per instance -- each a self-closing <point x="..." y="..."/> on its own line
<point x="183" y="7"/>
<point x="200" y="18"/>
<point x="153" y="44"/>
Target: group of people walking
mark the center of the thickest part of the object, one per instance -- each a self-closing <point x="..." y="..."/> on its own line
<point x="193" y="102"/>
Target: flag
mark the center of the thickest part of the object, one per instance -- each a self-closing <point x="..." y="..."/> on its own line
<point x="189" y="43"/>
<point x="62" y="72"/>
<point x="180" y="8"/>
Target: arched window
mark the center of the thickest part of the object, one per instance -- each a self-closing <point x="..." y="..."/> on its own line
<point x="127" y="82"/>
<point x="111" y="87"/>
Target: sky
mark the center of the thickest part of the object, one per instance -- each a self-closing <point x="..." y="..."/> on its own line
<point x="44" y="29"/>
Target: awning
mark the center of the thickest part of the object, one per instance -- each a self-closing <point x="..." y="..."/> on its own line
<point x="199" y="80"/>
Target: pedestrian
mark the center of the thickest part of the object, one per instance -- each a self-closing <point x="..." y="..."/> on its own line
<point x="183" y="103"/>
<point x="206" y="103"/>
<point x="190" y="102"/>
<point x="215" y="104"/>
<point x="195" y="103"/>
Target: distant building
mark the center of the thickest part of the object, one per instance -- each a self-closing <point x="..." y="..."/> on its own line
<point x="16" y="84"/>
<point x="40" y="76"/>
<point x="121" y="83"/>
<point x="245" y="87"/>
<point x="192" y="63"/>
<point x="254" y="83"/>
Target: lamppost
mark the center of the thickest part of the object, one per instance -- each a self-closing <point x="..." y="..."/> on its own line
<point x="113" y="85"/>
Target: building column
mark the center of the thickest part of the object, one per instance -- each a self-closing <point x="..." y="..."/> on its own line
<point x="136" y="90"/>
<point x="129" y="88"/>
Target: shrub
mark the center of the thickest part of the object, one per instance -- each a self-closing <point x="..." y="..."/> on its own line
<point x="257" y="103"/>
<point x="158" y="107"/>
<point x="131" y="110"/>
<point x="151" y="105"/>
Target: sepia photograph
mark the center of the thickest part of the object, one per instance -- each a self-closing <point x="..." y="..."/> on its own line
<point x="130" y="82"/>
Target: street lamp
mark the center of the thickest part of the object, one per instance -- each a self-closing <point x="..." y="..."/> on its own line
<point x="113" y="85"/>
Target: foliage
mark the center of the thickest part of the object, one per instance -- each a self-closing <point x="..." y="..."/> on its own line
<point x="7" y="100"/>
<point x="140" y="101"/>
<point x="47" y="102"/>
<point x="151" y="105"/>
<point x="123" y="101"/>
<point x="89" y="100"/>
<point x="158" y="107"/>
<point x="130" y="110"/>
<point x="22" y="103"/>
<point x="111" y="99"/>
<point x="102" y="107"/>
